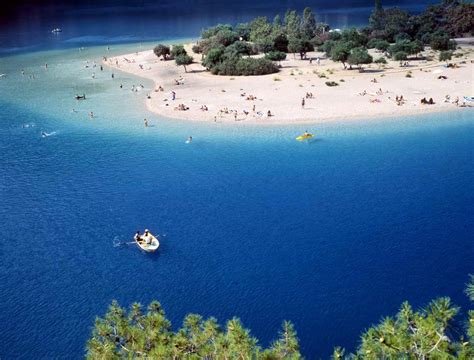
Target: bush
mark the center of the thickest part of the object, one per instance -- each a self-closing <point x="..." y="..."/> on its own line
<point x="226" y="37"/>
<point x="378" y="44"/>
<point x="162" y="50"/>
<point x="359" y="56"/>
<point x="401" y="55"/>
<point x="213" y="58"/>
<point x="439" y="40"/>
<point x="381" y="60"/>
<point x="251" y="66"/>
<point x="276" y="56"/>
<point x="331" y="83"/>
<point x="445" y="55"/>
<point x="213" y="31"/>
<point x="184" y="59"/>
<point x="177" y="50"/>
<point x="197" y="48"/>
<point x="238" y="48"/>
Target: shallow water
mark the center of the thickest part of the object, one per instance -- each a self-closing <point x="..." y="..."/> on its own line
<point x="331" y="234"/>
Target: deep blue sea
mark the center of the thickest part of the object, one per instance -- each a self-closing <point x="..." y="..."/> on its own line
<point x="332" y="234"/>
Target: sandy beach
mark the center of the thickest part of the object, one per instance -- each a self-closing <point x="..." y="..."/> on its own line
<point x="373" y="93"/>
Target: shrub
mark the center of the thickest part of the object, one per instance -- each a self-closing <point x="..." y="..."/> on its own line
<point x="238" y="48"/>
<point x="381" y="60"/>
<point x="214" y="57"/>
<point x="184" y="59"/>
<point x="440" y="41"/>
<point x="378" y="44"/>
<point x="197" y="49"/>
<point x="276" y="56"/>
<point x="445" y="55"/>
<point x="250" y="66"/>
<point x="359" y="56"/>
<point x="162" y="50"/>
<point x="177" y="50"/>
<point x="331" y="83"/>
<point x="401" y="55"/>
<point x="213" y="31"/>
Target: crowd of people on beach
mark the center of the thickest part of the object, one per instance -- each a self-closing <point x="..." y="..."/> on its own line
<point x="225" y="112"/>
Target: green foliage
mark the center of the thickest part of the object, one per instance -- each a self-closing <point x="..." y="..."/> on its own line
<point x="355" y="37"/>
<point x="454" y="17"/>
<point x="340" y="52"/>
<point x="183" y="60"/>
<point x="406" y="46"/>
<point x="238" y="48"/>
<point x="251" y="66"/>
<point x="402" y="36"/>
<point x="280" y="41"/>
<point x="213" y="57"/>
<point x="377" y="17"/>
<point x="460" y="19"/>
<point x="378" y="44"/>
<point x="161" y="50"/>
<point x="445" y="55"/>
<point x="429" y="333"/>
<point x="213" y="31"/>
<point x="381" y="60"/>
<point x="331" y="83"/>
<point x="177" y="50"/>
<point x="299" y="45"/>
<point x="260" y="29"/>
<point x="359" y="56"/>
<point x="470" y="288"/>
<point x="292" y="24"/>
<point x="243" y="31"/>
<point x="139" y="335"/>
<point x="439" y="40"/>
<point x="308" y="23"/>
<point x="197" y="48"/>
<point x="412" y="334"/>
<point x="400" y="56"/>
<point x="276" y="56"/>
<point x="226" y="37"/>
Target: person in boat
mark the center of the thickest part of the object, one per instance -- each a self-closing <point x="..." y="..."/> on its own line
<point x="147" y="237"/>
<point x="306" y="133"/>
<point x="137" y="237"/>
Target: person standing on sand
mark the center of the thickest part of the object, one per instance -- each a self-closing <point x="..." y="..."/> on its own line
<point x="173" y="95"/>
<point x="302" y="103"/>
<point x="145" y="121"/>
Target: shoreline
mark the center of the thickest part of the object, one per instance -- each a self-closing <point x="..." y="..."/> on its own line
<point x="354" y="99"/>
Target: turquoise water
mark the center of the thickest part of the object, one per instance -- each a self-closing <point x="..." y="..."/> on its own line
<point x="331" y="234"/>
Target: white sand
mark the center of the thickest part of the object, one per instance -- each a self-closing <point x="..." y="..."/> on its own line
<point x="282" y="93"/>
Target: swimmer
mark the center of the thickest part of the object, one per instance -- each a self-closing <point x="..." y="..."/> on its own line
<point x="145" y="122"/>
<point x="190" y="139"/>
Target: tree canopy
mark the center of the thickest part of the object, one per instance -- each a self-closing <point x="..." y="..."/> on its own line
<point x="162" y="50"/>
<point x="140" y="334"/>
<point x="433" y="332"/>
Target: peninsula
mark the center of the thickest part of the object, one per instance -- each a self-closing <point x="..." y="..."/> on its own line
<point x="297" y="70"/>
